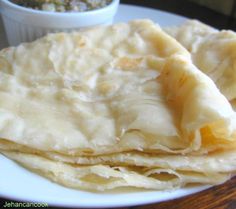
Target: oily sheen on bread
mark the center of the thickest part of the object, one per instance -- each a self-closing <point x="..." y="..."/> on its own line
<point x="114" y="106"/>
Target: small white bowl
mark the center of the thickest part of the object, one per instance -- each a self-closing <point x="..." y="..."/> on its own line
<point x="24" y="24"/>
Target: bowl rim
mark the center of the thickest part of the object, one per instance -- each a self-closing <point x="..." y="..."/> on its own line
<point x="41" y="12"/>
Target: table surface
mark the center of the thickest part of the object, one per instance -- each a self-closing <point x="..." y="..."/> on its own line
<point x="218" y="197"/>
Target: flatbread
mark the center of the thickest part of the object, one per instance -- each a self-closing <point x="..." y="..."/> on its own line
<point x="103" y="177"/>
<point x="212" y="51"/>
<point x="114" y="106"/>
<point x="89" y="79"/>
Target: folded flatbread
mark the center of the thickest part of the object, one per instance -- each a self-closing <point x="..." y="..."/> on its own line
<point x="213" y="52"/>
<point x="114" y="106"/>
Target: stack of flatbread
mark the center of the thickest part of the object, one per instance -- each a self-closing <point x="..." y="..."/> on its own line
<point x="119" y="106"/>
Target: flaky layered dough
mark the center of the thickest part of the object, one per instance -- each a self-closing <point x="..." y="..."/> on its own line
<point x="113" y="107"/>
<point x="103" y="177"/>
<point x="213" y="52"/>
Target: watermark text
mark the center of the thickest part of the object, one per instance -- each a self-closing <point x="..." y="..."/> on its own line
<point x="24" y="205"/>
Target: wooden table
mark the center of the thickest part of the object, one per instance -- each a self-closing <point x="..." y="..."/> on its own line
<point x="218" y="197"/>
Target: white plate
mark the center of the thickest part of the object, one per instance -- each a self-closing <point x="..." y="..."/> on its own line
<point x="22" y="185"/>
